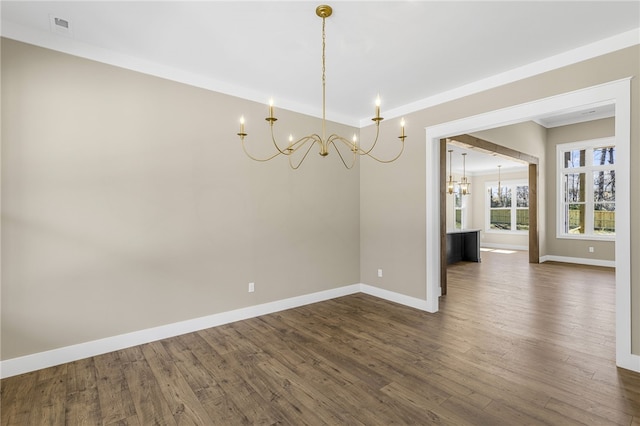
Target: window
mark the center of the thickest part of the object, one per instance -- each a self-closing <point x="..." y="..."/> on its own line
<point x="508" y="206"/>
<point x="587" y="189"/>
<point x="457" y="208"/>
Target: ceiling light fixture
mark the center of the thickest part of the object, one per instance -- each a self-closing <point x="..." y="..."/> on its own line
<point x="323" y="11"/>
<point x="499" y="196"/>
<point x="499" y="186"/>
<point x="465" y="185"/>
<point x="451" y="184"/>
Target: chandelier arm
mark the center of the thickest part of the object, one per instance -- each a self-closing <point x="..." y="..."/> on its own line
<point x="262" y="160"/>
<point x="352" y="146"/>
<point x="293" y="147"/>
<point x="388" y="161"/>
<point x="286" y="151"/>
<point x="375" y="141"/>
<point x="315" y="140"/>
<point x="331" y="141"/>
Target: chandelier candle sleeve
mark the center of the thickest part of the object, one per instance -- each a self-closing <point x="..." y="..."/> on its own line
<point x="242" y="134"/>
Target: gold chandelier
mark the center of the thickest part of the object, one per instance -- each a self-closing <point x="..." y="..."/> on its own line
<point x="499" y="196"/>
<point x="451" y="184"/>
<point x="464" y="184"/>
<point x="323" y="11"/>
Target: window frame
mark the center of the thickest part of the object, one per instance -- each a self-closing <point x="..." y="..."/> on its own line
<point x="513" y="184"/>
<point x="588" y="169"/>
<point x="462" y="207"/>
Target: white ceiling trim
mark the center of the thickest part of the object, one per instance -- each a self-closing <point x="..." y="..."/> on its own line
<point x="73" y="47"/>
<point x="599" y="48"/>
<point x="110" y="57"/>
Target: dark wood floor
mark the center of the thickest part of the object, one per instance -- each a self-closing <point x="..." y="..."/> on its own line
<point x="513" y="344"/>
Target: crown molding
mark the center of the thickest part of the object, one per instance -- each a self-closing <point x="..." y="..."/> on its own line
<point x="73" y="47"/>
<point x="599" y="48"/>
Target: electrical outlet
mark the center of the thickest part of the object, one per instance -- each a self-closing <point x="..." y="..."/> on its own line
<point x="591" y="250"/>
<point x="379" y="273"/>
<point x="252" y="287"/>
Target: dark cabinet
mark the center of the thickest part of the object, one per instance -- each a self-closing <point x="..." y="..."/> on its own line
<point x="463" y="245"/>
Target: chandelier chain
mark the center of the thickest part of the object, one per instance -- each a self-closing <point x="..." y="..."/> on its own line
<point x="324" y="79"/>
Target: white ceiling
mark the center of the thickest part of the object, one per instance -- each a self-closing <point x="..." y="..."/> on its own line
<point x="479" y="162"/>
<point x="406" y="51"/>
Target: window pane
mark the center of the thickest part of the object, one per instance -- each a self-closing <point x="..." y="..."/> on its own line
<point x="604" y="155"/>
<point x="522" y="196"/>
<point x="501" y="219"/>
<point x="497" y="200"/>
<point x="604" y="219"/>
<point x="575" y="158"/>
<point x="457" y="199"/>
<point x="574" y="220"/>
<point x="604" y="186"/>
<point x="574" y="187"/>
<point x="587" y="194"/>
<point x="506" y="197"/>
<point x="500" y="200"/>
<point x="458" y="218"/>
<point x="522" y="220"/>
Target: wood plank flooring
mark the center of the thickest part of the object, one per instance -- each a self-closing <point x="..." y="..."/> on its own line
<point x="514" y="343"/>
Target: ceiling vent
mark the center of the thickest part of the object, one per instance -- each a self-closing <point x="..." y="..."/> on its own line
<point x="60" y="25"/>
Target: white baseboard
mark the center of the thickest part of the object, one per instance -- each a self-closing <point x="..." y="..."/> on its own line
<point x="40" y="360"/>
<point x="396" y="297"/>
<point x="504" y="246"/>
<point x="629" y="362"/>
<point x="578" y="260"/>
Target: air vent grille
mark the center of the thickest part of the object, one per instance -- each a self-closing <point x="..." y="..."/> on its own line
<point x="60" y="25"/>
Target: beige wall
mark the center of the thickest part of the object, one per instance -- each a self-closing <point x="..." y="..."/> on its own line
<point x="603" y="250"/>
<point x="127" y="203"/>
<point x="393" y="199"/>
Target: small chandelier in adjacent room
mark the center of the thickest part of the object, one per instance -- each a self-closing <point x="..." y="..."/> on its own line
<point x="499" y="186"/>
<point x="451" y="184"/>
<point x="465" y="185"/>
<point x="499" y="195"/>
<point x="305" y="143"/>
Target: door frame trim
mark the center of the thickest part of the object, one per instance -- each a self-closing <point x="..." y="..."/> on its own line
<point x="616" y="92"/>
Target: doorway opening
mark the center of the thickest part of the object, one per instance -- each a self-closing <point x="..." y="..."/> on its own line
<point x="489" y="148"/>
<point x="616" y="93"/>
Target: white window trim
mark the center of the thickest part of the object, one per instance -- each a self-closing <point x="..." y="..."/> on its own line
<point x="560" y="170"/>
<point x="487" y="204"/>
